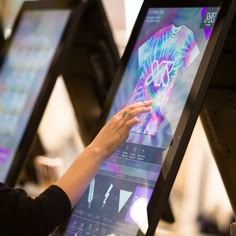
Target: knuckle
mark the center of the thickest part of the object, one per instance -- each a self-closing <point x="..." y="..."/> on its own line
<point x="115" y="118"/>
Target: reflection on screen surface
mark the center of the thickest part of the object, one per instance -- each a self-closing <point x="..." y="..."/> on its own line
<point x="162" y="67"/>
<point x="22" y="76"/>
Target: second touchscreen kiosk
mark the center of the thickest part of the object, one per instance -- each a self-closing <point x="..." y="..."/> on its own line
<point x="33" y="58"/>
<point x="22" y="77"/>
<point x="166" y="61"/>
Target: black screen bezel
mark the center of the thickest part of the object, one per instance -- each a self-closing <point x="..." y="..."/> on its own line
<point x="26" y="143"/>
<point x="194" y="102"/>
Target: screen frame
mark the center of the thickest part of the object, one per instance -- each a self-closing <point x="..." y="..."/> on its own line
<point x="28" y="138"/>
<point x="195" y="99"/>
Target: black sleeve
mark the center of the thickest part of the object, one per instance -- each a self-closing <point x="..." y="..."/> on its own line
<point x="21" y="215"/>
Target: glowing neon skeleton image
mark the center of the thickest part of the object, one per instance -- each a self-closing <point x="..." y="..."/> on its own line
<point x="161" y="59"/>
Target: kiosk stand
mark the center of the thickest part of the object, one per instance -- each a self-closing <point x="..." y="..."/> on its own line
<point x="89" y="68"/>
<point x="170" y="58"/>
<point x="218" y="114"/>
<point x="44" y="49"/>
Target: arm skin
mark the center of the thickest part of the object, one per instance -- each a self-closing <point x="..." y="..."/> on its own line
<point x="77" y="178"/>
<point x="21" y="215"/>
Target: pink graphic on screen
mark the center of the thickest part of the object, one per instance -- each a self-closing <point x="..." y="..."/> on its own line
<point x="208" y="31"/>
<point x="161" y="59"/>
<point x="4" y="155"/>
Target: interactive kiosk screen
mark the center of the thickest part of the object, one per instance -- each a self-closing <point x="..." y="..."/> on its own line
<point x="167" y="60"/>
<point x="23" y="78"/>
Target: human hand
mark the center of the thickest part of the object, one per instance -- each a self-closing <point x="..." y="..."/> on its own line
<point x="116" y="131"/>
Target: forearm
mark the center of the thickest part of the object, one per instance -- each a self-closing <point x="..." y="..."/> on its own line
<point x="77" y="178"/>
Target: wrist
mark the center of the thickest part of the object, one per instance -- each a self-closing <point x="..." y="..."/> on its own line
<point x="96" y="152"/>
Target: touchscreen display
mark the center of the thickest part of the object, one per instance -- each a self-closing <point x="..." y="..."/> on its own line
<point x="162" y="67"/>
<point x="22" y="75"/>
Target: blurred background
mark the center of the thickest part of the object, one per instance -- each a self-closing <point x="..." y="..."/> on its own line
<point x="198" y="198"/>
